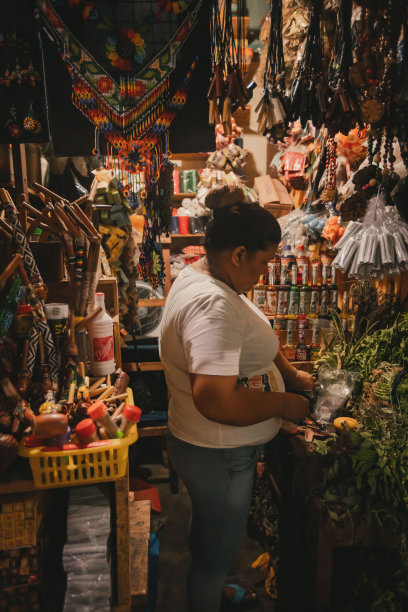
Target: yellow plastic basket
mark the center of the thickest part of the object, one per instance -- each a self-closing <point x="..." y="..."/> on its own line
<point x="81" y="466"/>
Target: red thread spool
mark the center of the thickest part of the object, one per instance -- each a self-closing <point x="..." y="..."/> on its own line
<point x="184" y="224"/>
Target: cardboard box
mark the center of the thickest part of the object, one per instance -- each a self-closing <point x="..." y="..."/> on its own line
<point x="273" y="195"/>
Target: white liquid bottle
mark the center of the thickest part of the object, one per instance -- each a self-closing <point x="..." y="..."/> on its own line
<point x="101" y="347"/>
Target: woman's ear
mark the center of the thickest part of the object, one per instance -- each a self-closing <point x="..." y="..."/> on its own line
<point x="237" y="255"/>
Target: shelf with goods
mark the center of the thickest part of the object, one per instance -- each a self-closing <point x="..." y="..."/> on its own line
<point x="181" y="196"/>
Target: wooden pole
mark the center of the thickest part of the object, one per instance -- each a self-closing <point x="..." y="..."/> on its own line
<point x="20" y="180"/>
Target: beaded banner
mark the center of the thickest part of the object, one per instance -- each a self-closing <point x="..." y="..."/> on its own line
<point x="122" y="109"/>
<point x="124" y="92"/>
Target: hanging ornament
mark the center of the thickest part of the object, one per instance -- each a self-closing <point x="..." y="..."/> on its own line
<point x="31" y="123"/>
<point x="14" y="129"/>
<point x="227" y="90"/>
<point x="343" y="112"/>
<point x="309" y="91"/>
<point x="329" y="193"/>
<point x="272" y="114"/>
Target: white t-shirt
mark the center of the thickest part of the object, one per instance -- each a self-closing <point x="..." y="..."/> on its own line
<point x="207" y="328"/>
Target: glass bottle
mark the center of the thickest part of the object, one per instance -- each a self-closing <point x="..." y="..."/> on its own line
<point x="334" y="291"/>
<point x="259" y="295"/>
<point x="272" y="293"/>
<point x="314" y="293"/>
<point x="294" y="295"/>
<point x="302" y="352"/>
<point x="305" y="294"/>
<point x="315" y="346"/>
<point x="290" y="348"/>
<point x="301" y="262"/>
<point x="324" y="294"/>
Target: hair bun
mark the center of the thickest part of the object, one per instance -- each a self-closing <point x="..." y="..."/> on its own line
<point x="224" y="195"/>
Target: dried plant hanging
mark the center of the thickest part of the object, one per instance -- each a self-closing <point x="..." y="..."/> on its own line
<point x="309" y="90"/>
<point x="227" y="90"/>
<point x="272" y="113"/>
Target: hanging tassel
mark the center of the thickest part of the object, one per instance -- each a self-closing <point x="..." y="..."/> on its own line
<point x="226" y="116"/>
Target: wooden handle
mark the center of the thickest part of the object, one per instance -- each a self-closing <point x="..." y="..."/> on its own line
<point x="88" y="319"/>
<point x="67" y="220"/>
<point x="92" y="191"/>
<point x="97" y="383"/>
<point x="86" y="221"/>
<point x="116" y="397"/>
<point x="42" y="217"/>
<point x="72" y="347"/>
<point x="75" y="219"/>
<point x="13" y="265"/>
<point x="81" y="200"/>
<point x="6" y="227"/>
<point x="71" y="393"/>
<point x="81" y="367"/>
<point x="48" y="192"/>
<point x="107" y="393"/>
<point x="5" y="196"/>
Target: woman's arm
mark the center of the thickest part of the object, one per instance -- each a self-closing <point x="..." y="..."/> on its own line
<point x="297" y="379"/>
<point x="221" y="399"/>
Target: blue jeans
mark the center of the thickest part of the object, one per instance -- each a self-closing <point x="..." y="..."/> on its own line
<point x="219" y="482"/>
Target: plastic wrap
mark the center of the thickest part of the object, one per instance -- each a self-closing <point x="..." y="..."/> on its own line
<point x="375" y="247"/>
<point x="293" y="231"/>
<point x="335" y="388"/>
<point x="85" y="554"/>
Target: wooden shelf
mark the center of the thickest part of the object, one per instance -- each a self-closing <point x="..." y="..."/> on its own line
<point x="187" y="236"/>
<point x="139" y="533"/>
<point x="153" y="302"/>
<point x="189" y="156"/>
<point x="143" y="366"/>
<point x="181" y="196"/>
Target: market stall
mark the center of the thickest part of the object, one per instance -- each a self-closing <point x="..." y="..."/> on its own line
<point x="100" y="217"/>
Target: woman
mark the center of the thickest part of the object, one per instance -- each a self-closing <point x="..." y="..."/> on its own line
<point x="218" y="351"/>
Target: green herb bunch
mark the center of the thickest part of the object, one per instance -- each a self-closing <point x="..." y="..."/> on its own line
<point x="366" y="471"/>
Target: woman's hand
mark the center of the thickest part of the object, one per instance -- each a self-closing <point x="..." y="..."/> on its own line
<point x="303" y="381"/>
<point x="297" y="408"/>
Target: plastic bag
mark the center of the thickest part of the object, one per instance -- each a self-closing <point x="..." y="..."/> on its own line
<point x="375" y="247"/>
<point x="336" y="388"/>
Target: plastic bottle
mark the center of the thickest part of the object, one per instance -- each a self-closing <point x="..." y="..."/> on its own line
<point x="314" y="261"/>
<point x="305" y="294"/>
<point x="259" y="295"/>
<point x="301" y="262"/>
<point x="302" y="353"/>
<point x="294" y="296"/>
<point x="315" y="346"/>
<point x="290" y="348"/>
<point x="283" y="299"/>
<point x="276" y="263"/>
<point x="287" y="262"/>
<point x="271" y="305"/>
<point x="130" y="416"/>
<point x="344" y="312"/>
<point x="334" y="291"/>
<point x="324" y="296"/>
<point x="277" y="326"/>
<point x="101" y="340"/>
<point x="314" y="296"/>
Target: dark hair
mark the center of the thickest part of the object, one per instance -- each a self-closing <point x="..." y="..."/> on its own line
<point x="242" y="223"/>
